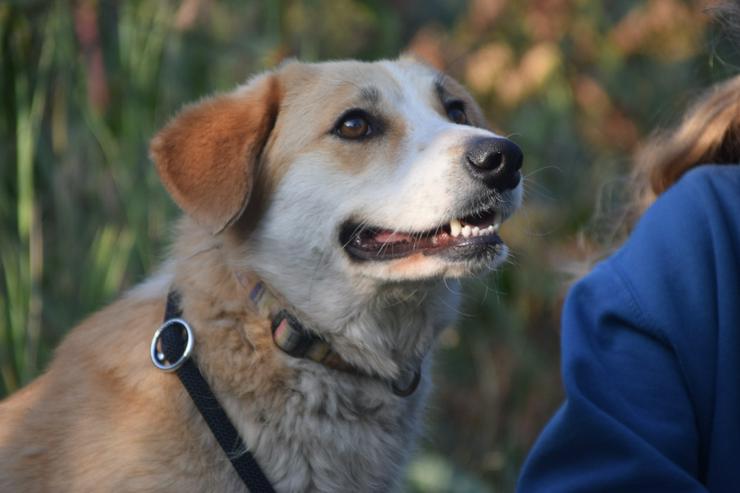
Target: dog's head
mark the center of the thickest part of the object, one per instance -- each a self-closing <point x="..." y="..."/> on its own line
<point x="374" y="171"/>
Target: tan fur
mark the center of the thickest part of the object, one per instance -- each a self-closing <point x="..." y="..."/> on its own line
<point x="102" y="418"/>
<point x="210" y="149"/>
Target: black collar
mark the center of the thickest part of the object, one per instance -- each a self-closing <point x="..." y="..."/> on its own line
<point x="171" y="349"/>
<point x="294" y="339"/>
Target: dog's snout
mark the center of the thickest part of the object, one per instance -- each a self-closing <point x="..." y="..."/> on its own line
<point x="495" y="161"/>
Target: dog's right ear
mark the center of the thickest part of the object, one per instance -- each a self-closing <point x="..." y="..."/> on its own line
<point x="206" y="156"/>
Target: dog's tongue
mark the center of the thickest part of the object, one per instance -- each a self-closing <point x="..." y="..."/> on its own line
<point x="391" y="237"/>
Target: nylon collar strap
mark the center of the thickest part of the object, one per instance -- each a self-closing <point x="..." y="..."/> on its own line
<point x="299" y="342"/>
<point x="170" y="351"/>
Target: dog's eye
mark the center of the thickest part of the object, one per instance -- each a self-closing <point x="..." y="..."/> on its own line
<point x="456" y="112"/>
<point x="354" y="126"/>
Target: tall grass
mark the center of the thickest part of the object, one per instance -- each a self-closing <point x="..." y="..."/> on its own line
<point x="81" y="213"/>
<point x="22" y="250"/>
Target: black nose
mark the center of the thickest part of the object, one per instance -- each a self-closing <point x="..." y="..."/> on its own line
<point x="495" y="161"/>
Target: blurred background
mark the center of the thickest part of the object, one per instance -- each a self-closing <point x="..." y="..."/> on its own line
<point x="578" y="84"/>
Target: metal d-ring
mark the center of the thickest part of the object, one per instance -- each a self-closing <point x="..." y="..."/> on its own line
<point x="158" y="357"/>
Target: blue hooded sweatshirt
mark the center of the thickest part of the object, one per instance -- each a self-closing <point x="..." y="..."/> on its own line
<point x="651" y="355"/>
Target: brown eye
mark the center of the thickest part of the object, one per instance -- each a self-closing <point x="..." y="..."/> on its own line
<point x="354" y="126"/>
<point x="456" y="113"/>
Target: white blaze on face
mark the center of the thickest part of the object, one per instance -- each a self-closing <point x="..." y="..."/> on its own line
<point x="426" y="182"/>
<point x="417" y="184"/>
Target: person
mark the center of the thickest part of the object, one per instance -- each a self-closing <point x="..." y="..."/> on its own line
<point x="651" y="336"/>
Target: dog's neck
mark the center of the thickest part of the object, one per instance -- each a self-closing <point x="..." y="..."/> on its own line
<point x="384" y="330"/>
<point x="298" y="341"/>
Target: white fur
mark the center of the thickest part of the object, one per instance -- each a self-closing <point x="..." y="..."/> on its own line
<point x="103" y="418"/>
<point x="341" y="433"/>
<point x="154" y="285"/>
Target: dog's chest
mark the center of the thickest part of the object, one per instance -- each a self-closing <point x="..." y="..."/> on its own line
<point x="328" y="437"/>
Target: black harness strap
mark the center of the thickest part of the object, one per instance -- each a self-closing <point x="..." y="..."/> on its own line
<point x="172" y="348"/>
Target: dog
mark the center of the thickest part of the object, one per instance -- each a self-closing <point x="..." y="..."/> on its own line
<point x="356" y="194"/>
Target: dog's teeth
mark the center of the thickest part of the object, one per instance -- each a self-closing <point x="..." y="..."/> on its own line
<point x="476" y="230"/>
<point x="494" y="226"/>
<point x="455" y="228"/>
<point x="466" y="231"/>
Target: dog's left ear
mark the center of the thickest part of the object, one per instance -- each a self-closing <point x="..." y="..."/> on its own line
<point x="206" y="156"/>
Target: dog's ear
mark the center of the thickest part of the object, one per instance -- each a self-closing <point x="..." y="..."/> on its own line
<point x="206" y="156"/>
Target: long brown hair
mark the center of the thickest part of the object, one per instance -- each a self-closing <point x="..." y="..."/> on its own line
<point x="708" y="133"/>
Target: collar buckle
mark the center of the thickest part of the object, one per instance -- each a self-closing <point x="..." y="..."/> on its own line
<point x="291" y="336"/>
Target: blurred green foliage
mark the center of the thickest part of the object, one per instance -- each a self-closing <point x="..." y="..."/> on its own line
<point x="578" y="84"/>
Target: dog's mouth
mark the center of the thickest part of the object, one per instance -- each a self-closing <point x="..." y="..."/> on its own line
<point x="460" y="238"/>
